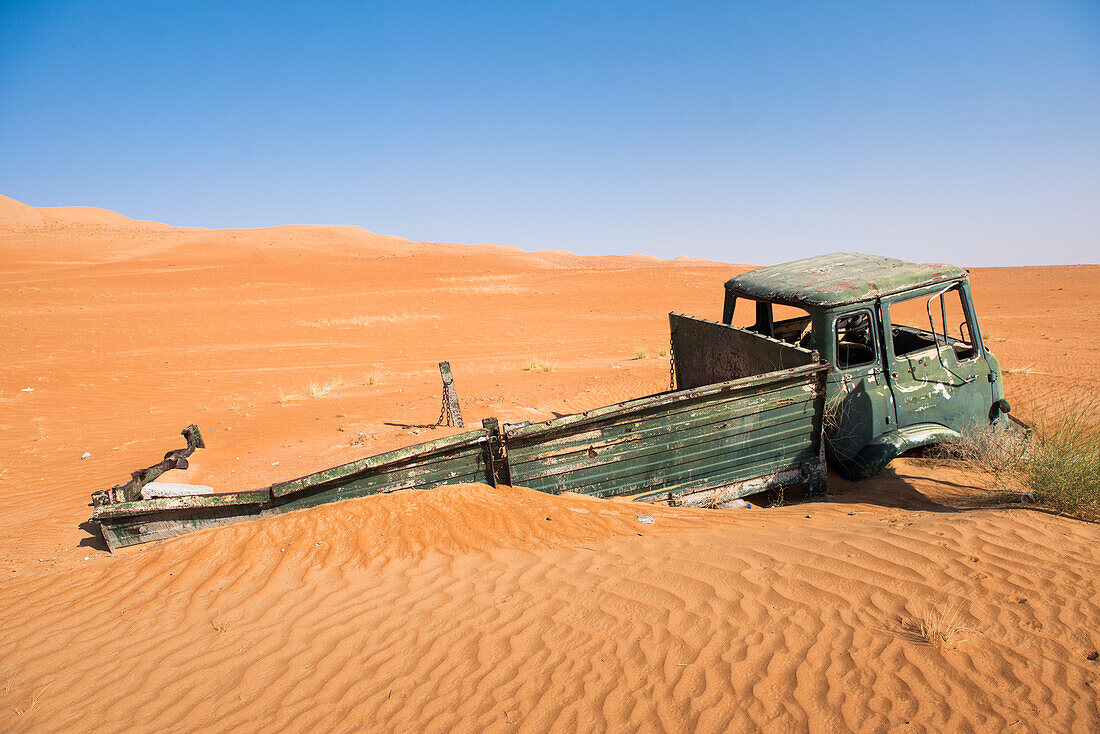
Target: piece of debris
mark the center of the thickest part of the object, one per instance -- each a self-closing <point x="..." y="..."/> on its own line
<point x="27" y="389"/>
<point x="274" y="463"/>
<point x="645" y="519"/>
<point x="173" y="489"/>
<point x="86" y="455"/>
<point x="741" y="504"/>
<point x="1027" y="498"/>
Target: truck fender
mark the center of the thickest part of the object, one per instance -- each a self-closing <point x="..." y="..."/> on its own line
<point x="885" y="447"/>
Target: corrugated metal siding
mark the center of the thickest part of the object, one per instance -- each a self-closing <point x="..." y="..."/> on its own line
<point x="742" y="430"/>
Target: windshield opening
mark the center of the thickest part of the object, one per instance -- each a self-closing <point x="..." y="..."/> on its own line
<point x="923" y="322"/>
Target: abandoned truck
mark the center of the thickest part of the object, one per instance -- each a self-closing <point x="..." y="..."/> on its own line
<point x="830" y="366"/>
<point x="893" y="385"/>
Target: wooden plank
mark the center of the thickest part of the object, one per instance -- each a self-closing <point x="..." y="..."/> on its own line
<point x="397" y="456"/>
<point x="572" y="422"/>
<point x="168" y="504"/>
<point x="706" y="352"/>
<point x="370" y="485"/>
<point x="120" y="532"/>
<point x="676" y="462"/>
<point x="599" y="452"/>
<point x="672" y="416"/>
<point x="450" y="395"/>
<point x="611" y="438"/>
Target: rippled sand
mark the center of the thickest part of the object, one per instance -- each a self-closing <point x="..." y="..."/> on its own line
<point x="470" y="608"/>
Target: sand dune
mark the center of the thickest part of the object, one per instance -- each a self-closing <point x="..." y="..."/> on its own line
<point x="498" y="610"/>
<point x="468" y="608"/>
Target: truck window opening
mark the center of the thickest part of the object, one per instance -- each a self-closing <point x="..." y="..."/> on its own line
<point x="910" y="329"/>
<point x="788" y="323"/>
<point x="854" y="341"/>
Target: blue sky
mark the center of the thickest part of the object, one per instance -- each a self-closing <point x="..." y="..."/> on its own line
<point x="744" y="132"/>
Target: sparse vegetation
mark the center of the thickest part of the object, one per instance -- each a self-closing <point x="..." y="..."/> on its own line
<point x="640" y="353"/>
<point x="1062" y="469"/>
<point x="363" y="320"/>
<point x="1059" y="466"/>
<point x="33" y="704"/>
<point x="936" y="627"/>
<point x="537" y="364"/>
<point x="319" y="388"/>
<point x="487" y="290"/>
<point x="995" y="450"/>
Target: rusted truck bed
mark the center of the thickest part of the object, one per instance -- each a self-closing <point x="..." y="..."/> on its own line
<point x="747" y="416"/>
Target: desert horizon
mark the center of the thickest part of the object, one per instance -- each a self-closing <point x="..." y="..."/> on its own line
<point x="468" y="607"/>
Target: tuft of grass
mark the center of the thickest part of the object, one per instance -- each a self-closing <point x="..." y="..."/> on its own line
<point x="1062" y="469"/>
<point x="372" y="378"/>
<point x="9" y="680"/>
<point x="33" y="704"/>
<point x="1028" y="370"/>
<point x="219" y="627"/>
<point x="318" y="388"/>
<point x="937" y="627"/>
<point x="363" y="320"/>
<point x="537" y="364"/>
<point x="488" y="290"/>
<point x="995" y="450"/>
<point x="640" y="353"/>
<point x="1059" y="465"/>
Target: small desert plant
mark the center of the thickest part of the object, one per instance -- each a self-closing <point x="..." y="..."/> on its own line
<point x="372" y="378"/>
<point x="1062" y="468"/>
<point x="640" y="353"/>
<point x="937" y="627"/>
<point x="321" y="388"/>
<point x="537" y="364"/>
<point x="33" y="704"/>
<point x="1059" y="465"/>
<point x="997" y="450"/>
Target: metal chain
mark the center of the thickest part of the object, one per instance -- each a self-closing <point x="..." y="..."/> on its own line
<point x="444" y="412"/>
<point x="671" y="365"/>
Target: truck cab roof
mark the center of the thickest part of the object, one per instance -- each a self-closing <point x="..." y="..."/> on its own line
<point x="838" y="279"/>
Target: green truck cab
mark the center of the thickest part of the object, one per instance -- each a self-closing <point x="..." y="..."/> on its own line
<point x="907" y="365"/>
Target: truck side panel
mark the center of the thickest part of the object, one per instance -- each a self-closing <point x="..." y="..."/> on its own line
<point x="759" y="430"/>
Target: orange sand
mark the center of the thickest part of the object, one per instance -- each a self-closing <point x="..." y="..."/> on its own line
<point x="465" y="608"/>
